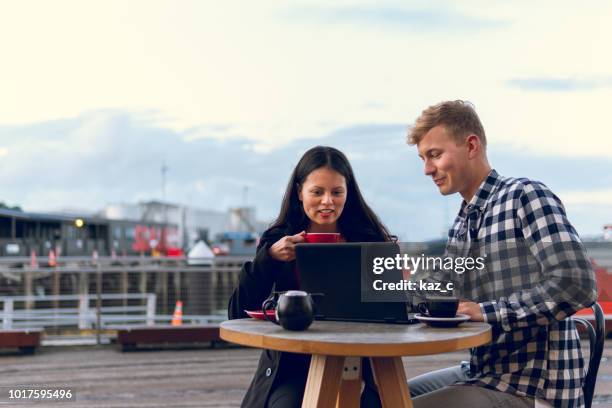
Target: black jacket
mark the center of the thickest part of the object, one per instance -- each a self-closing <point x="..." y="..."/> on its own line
<point x="256" y="282"/>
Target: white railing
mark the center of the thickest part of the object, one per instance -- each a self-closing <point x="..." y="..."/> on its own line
<point x="80" y="312"/>
<point x="85" y="316"/>
<point x="96" y="294"/>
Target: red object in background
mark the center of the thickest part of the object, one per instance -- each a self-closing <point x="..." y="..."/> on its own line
<point x="606" y="307"/>
<point x="174" y="252"/>
<point x="52" y="259"/>
<point x="604" y="288"/>
<point x="219" y="250"/>
<point x="155" y="238"/>
<point x="33" y="260"/>
<point x="177" y="317"/>
<point x="141" y="239"/>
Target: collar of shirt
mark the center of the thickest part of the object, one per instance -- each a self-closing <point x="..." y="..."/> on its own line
<point x="483" y="195"/>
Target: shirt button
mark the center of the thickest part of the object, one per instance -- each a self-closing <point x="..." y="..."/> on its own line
<point x="268" y="372"/>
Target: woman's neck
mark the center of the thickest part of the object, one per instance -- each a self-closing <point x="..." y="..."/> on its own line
<point x="316" y="228"/>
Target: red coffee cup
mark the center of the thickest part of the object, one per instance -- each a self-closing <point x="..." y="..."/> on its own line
<point x="322" y="237"/>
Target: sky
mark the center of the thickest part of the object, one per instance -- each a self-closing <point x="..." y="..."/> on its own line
<point x="97" y="95"/>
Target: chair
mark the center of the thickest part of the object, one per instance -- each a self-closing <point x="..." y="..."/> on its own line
<point x="597" y="337"/>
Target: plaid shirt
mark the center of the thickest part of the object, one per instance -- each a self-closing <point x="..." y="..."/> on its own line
<point x="536" y="275"/>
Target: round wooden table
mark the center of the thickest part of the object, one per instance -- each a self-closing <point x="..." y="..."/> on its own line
<point x="337" y="348"/>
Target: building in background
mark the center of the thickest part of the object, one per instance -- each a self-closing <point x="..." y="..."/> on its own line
<point x="194" y="224"/>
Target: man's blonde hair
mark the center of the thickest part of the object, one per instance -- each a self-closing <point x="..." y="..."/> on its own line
<point x="458" y="117"/>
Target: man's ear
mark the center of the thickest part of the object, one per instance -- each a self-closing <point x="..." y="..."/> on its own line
<point x="474" y="146"/>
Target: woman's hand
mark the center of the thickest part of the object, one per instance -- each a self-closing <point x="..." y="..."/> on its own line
<point x="284" y="248"/>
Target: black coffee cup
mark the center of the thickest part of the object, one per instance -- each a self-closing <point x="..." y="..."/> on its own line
<point x="294" y="309"/>
<point x="439" y="306"/>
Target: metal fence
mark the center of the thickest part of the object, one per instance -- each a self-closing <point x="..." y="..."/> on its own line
<point x="96" y="293"/>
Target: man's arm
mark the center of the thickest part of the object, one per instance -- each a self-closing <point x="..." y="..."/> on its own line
<point x="567" y="283"/>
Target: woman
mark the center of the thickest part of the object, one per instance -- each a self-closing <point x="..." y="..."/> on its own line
<point x="322" y="196"/>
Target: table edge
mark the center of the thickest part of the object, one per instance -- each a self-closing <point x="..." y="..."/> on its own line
<point x="343" y="349"/>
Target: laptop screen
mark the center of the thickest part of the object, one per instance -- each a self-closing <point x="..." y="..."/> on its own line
<point x="335" y="271"/>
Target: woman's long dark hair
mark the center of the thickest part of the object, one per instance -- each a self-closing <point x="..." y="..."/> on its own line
<point x="357" y="221"/>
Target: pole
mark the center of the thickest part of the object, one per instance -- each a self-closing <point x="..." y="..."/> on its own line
<point x="98" y="302"/>
<point x="164" y="170"/>
<point x="162" y="239"/>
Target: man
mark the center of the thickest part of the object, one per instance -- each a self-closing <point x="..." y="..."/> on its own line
<point x="537" y="275"/>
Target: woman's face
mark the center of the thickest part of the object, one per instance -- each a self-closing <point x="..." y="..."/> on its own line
<point x="323" y="196"/>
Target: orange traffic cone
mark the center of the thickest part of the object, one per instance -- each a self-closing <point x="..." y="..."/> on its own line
<point x="33" y="260"/>
<point x="52" y="260"/>
<point x="177" y="317"/>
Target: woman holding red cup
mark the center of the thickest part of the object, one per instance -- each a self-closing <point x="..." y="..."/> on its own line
<point x="322" y="203"/>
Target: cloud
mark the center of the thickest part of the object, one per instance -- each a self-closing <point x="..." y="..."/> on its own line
<point x="588" y="197"/>
<point x="115" y="156"/>
<point x="559" y="84"/>
<point x="420" y="20"/>
<point x="275" y="71"/>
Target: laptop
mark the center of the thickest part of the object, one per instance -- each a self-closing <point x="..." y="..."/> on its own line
<point x="335" y="271"/>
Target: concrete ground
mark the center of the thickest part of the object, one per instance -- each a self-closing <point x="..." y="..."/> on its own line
<point x="102" y="376"/>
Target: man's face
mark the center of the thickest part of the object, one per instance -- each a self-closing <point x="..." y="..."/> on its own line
<point x="445" y="161"/>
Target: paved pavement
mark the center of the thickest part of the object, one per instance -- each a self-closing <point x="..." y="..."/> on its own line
<point x="104" y="377"/>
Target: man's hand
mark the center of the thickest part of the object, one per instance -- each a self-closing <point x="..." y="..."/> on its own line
<point x="284" y="248"/>
<point x="471" y="309"/>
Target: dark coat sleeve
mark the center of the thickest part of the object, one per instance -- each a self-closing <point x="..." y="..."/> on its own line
<point x="256" y="278"/>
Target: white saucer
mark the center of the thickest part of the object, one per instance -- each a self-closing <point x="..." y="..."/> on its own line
<point x="443" y="321"/>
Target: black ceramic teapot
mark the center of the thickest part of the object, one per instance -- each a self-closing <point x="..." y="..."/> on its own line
<point x="294" y="309"/>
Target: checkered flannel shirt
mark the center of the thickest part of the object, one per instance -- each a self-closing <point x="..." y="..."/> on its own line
<point x="536" y="275"/>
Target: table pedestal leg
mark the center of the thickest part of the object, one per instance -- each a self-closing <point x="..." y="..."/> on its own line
<point x="350" y="388"/>
<point x="323" y="382"/>
<point x="391" y="381"/>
